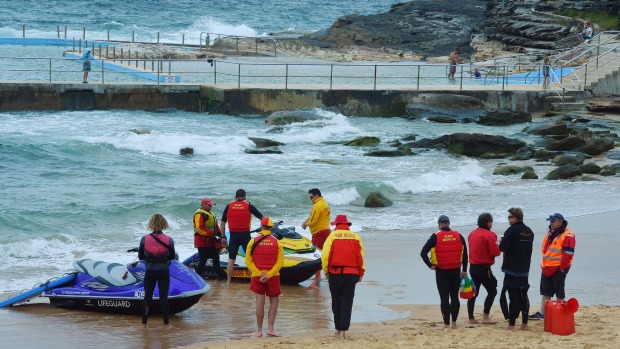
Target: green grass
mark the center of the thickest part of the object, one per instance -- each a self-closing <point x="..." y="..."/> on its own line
<point x="600" y="19"/>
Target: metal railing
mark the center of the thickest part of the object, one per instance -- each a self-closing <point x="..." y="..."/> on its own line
<point x="238" y="43"/>
<point x="131" y="68"/>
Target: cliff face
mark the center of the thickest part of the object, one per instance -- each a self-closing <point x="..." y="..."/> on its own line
<point x="436" y="27"/>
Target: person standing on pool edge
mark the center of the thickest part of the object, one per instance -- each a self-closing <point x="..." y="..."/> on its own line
<point x="238" y="215"/>
<point x="86" y="58"/>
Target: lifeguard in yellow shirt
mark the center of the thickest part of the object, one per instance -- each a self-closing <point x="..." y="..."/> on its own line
<point x="318" y="222"/>
<point x="264" y="258"/>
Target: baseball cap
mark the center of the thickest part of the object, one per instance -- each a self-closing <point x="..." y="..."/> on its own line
<point x="443" y="219"/>
<point x="207" y="201"/>
<point x="555" y="216"/>
<point x="266" y="221"/>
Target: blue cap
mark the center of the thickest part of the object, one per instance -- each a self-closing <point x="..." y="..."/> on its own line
<point x="443" y="219"/>
<point x="555" y="216"/>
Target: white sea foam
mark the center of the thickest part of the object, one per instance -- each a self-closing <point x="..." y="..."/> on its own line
<point x="461" y="178"/>
<point x="342" y="197"/>
<point x="208" y="24"/>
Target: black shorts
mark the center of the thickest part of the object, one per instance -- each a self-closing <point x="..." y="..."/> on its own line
<point x="237" y="240"/>
<point x="553" y="285"/>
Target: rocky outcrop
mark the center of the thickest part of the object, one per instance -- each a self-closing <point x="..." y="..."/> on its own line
<point x="286" y="117"/>
<point x="377" y="199"/>
<point x="564" y="172"/>
<point x="363" y="141"/>
<point x="477" y="144"/>
<point x="503" y="118"/>
<point x="444" y="107"/>
<point x="264" y="142"/>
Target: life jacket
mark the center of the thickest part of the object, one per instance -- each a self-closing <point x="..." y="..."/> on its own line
<point x="155" y="250"/>
<point x="344" y="252"/>
<point x="239" y="217"/>
<point x="448" y="252"/>
<point x="552" y="255"/>
<point x="265" y="252"/>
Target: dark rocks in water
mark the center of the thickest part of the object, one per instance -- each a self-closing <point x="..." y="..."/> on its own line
<point x="545" y="154"/>
<point x="564" y="172"/>
<point x="326" y="161"/>
<point x="590" y="168"/>
<point x="597" y="145"/>
<point x="390" y="153"/>
<point x="186" y="151"/>
<point x="568" y="159"/>
<point x="568" y="143"/>
<point x="544" y="129"/>
<point x="586" y="179"/>
<point x="363" y="141"/>
<point x="476" y="144"/>
<point x="263" y="151"/>
<point x="443" y="119"/>
<point x="529" y="175"/>
<point x="607" y="171"/>
<point x="277" y="129"/>
<point x="376" y="199"/>
<point x="141" y="132"/>
<point x="436" y="105"/>
<point x="286" y="117"/>
<point x="505" y="170"/>
<point x="503" y="118"/>
<point x="264" y="142"/>
<point x="428" y="142"/>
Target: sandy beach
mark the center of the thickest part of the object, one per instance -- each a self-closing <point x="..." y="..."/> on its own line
<point x="395" y="306"/>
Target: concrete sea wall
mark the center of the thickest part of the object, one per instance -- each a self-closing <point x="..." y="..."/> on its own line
<point x="196" y="98"/>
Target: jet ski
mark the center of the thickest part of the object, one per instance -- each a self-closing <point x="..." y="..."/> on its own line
<point x="301" y="258"/>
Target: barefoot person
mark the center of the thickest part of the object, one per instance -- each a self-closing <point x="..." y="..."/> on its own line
<point x="264" y="258"/>
<point x="206" y="236"/>
<point x="448" y="254"/>
<point x="238" y="214"/>
<point x="454" y="60"/>
<point x="343" y="263"/>
<point x="318" y="221"/>
<point x="516" y="245"/>
<point x="482" y="252"/>
<point x="156" y="250"/>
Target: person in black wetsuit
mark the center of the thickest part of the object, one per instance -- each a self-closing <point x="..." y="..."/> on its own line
<point x="448" y="254"/>
<point x="516" y="244"/>
<point x="157" y="250"/>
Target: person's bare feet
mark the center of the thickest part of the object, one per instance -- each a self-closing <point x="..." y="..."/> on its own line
<point x="343" y="335"/>
<point x="257" y="334"/>
<point x="337" y="334"/>
<point x="272" y="334"/>
<point x="445" y="326"/>
<point x="488" y="321"/>
<point x="524" y="327"/>
<point x="473" y="321"/>
<point x="510" y="328"/>
<point x="453" y="325"/>
<point x="167" y="327"/>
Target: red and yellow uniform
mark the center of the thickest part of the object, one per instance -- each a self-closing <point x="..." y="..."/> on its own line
<point x="266" y="257"/>
<point x="343" y="252"/>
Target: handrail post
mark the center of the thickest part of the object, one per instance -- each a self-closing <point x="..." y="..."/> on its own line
<point x="102" y="71"/>
<point x="58" y="31"/>
<point x="158" y="37"/>
<point x="286" y="78"/>
<point x="183" y="40"/>
<point x="214" y="72"/>
<point x="50" y="70"/>
<point x="239" y="76"/>
<point x="331" y="76"/>
<point x="84" y="33"/>
<point x="585" y="77"/>
<point x="504" y="77"/>
<point x="461" y="85"/>
<point x="133" y="36"/>
<point x="256" y="45"/>
<point x="108" y="34"/>
<point x="65" y="31"/>
<point x="418" y="81"/>
<point x="375" y="79"/>
<point x="24" y="31"/>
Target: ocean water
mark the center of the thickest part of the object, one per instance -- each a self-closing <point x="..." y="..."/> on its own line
<point x="83" y="185"/>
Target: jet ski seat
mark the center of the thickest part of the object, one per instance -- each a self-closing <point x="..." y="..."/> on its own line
<point x="112" y="274"/>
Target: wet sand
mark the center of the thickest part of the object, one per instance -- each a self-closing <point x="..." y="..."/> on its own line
<point x="395" y="306"/>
